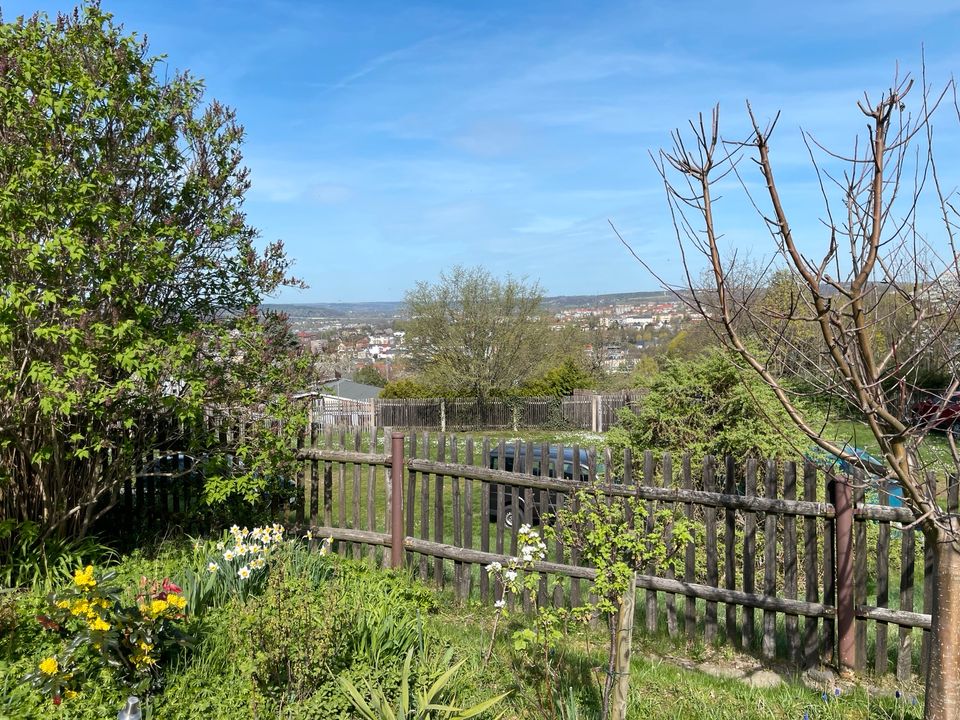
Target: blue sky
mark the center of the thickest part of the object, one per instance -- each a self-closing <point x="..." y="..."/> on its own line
<point x="390" y="140"/>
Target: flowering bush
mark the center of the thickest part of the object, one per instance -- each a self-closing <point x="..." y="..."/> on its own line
<point x="236" y="566"/>
<point x="94" y="621"/>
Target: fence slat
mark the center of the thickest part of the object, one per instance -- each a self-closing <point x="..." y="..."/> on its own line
<point x="672" y="629"/>
<point x="485" y="521"/>
<point x="574" y="553"/>
<point x="905" y="646"/>
<point x="859" y="574"/>
<point x="650" y="480"/>
<point x="790" y="562"/>
<point x="562" y="500"/>
<point x="328" y="481"/>
<point x="828" y="638"/>
<point x="438" y="481"/>
<point x="881" y="662"/>
<point x="424" y="506"/>
<point x="410" y="497"/>
<point x="710" y="523"/>
<point x="689" y="559"/>
<point x="810" y="575"/>
<point x="927" y="586"/>
<point x="730" y="550"/>
<point x="468" y="519"/>
<point x="457" y="517"/>
<point x="768" y="646"/>
<point x="529" y="467"/>
<point x="356" y="493"/>
<point x="748" y="627"/>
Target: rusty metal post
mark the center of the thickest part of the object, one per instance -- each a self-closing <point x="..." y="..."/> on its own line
<point x="396" y="501"/>
<point x="846" y="611"/>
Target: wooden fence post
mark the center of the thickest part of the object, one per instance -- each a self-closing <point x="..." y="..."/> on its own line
<point x="396" y="501"/>
<point x="846" y="636"/>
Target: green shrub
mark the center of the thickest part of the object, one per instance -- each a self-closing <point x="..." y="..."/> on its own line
<point x="29" y="560"/>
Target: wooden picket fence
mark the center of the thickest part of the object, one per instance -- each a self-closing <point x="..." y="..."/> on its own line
<point x="793" y="563"/>
<point x="584" y="411"/>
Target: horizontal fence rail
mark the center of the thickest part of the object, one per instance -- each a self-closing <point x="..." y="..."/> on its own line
<point x="762" y="575"/>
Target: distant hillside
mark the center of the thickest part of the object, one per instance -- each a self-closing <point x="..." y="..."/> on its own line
<point x="356" y="310"/>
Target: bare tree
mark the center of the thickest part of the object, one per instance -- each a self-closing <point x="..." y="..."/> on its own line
<point x="861" y="322"/>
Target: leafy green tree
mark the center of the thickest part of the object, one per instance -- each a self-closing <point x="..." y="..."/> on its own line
<point x="406" y="388"/>
<point x="130" y="275"/>
<point x="709" y="406"/>
<point x="561" y="380"/>
<point x="369" y="375"/>
<point x="471" y="334"/>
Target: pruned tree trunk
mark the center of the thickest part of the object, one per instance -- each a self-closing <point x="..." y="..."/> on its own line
<point x="621" y="656"/>
<point x="943" y="676"/>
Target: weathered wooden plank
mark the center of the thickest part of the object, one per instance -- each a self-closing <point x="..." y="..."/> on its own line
<point x="790" y="563"/>
<point x="313" y="501"/>
<point x="660" y="494"/>
<point x="810" y="572"/>
<point x="424" y="507"/>
<point x="672" y="627"/>
<point x="574" y="553"/>
<point x="927" y="585"/>
<point x="342" y="482"/>
<point x="559" y="553"/>
<point x="528" y="468"/>
<point x="545" y="510"/>
<point x="468" y="501"/>
<point x="328" y="480"/>
<point x="356" y="492"/>
<point x="485" y="521"/>
<point x="372" y="489"/>
<point x="710" y="545"/>
<point x="828" y="637"/>
<point x="859" y="575"/>
<point x="748" y="627"/>
<point x="730" y="550"/>
<point x="881" y="662"/>
<point x="649" y="480"/>
<point x="902" y="618"/>
<point x="689" y="559"/>
<point x="457" y="517"/>
<point x="905" y="645"/>
<point x="410" y="497"/>
<point x="438" y="510"/>
<point x="768" y="646"/>
<point x="501" y="513"/>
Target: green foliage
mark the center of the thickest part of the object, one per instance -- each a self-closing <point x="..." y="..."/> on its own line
<point x="369" y="375"/>
<point x="472" y="335"/>
<point x="407" y="388"/>
<point x="561" y="380"/>
<point x="129" y="271"/>
<point x="613" y="536"/>
<point x="413" y="703"/>
<point x="29" y="560"/>
<point x="709" y="406"/>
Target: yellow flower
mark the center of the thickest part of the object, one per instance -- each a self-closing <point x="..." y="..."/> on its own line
<point x="64" y="604"/>
<point x="70" y="694"/>
<point x="80" y="607"/>
<point x="158" y="606"/>
<point x="145" y="646"/>
<point x="84" y="578"/>
<point x="99" y="624"/>
<point x="49" y="666"/>
<point x="177" y="601"/>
